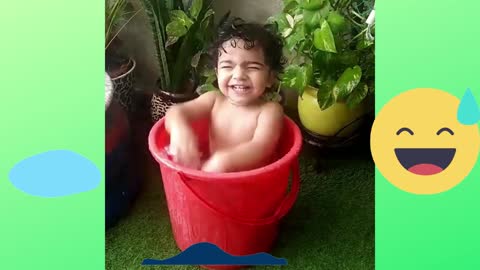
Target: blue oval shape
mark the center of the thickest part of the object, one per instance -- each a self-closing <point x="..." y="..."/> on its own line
<point x="55" y="173"/>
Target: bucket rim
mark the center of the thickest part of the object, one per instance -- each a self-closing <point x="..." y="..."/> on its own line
<point x="161" y="157"/>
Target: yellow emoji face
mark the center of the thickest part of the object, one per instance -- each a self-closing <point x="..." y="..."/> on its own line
<point x="419" y="145"/>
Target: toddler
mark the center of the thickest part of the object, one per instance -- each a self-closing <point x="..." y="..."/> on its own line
<point x="244" y="128"/>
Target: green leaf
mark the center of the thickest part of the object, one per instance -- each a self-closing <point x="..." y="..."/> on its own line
<point x="114" y="14"/>
<point x="209" y="13"/>
<point x="312" y="4"/>
<point x="292" y="4"/>
<point x="323" y="38"/>
<point x="311" y="18"/>
<point x="357" y="96"/>
<point x="326" y="62"/>
<point x="305" y="46"/>
<point x="297" y="36"/>
<point x="325" y="96"/>
<point x="308" y="74"/>
<point x="297" y="77"/>
<point x="180" y="17"/>
<point x="156" y="25"/>
<point x="347" y="82"/>
<point x="325" y="9"/>
<point x="289" y="77"/>
<point x="170" y="41"/>
<point x="196" y="8"/>
<point x="211" y="79"/>
<point x="287" y="32"/>
<point x="349" y="58"/>
<point x="207" y="87"/>
<point x="336" y="21"/>
<point x="175" y="30"/>
<point x="168" y="5"/>
<point x="196" y="59"/>
<point x="206" y="26"/>
<point x="281" y="21"/>
<point x="363" y="43"/>
<point x="290" y="20"/>
<point x="208" y="72"/>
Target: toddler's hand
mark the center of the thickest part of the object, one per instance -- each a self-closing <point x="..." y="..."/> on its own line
<point x="217" y="163"/>
<point x="184" y="148"/>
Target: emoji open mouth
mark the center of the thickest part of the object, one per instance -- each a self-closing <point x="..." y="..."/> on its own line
<point x="425" y="161"/>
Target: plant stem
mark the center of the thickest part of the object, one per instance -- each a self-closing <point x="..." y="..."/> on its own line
<point x="119" y="30"/>
<point x="344" y="4"/>
<point x="356" y="14"/>
<point x="113" y="15"/>
<point x="335" y="5"/>
<point x="354" y="22"/>
<point x="359" y="34"/>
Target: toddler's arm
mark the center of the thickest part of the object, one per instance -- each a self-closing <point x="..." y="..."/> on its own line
<point x="249" y="155"/>
<point x="183" y="113"/>
<point x="183" y="142"/>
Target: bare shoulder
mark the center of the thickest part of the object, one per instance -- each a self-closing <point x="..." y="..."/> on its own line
<point x="271" y="117"/>
<point x="206" y="100"/>
<point x="210" y="95"/>
<point x="196" y="108"/>
<point x="269" y="124"/>
<point x="271" y="111"/>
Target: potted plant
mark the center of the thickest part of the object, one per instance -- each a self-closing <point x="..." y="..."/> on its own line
<point x="330" y="52"/>
<point x="182" y="31"/>
<point x="118" y="64"/>
<point x="205" y="67"/>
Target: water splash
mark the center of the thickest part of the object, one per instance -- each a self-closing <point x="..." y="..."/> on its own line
<point x="468" y="112"/>
<point x="55" y="173"/>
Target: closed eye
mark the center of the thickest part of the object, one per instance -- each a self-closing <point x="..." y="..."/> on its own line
<point x="446" y="130"/>
<point x="404" y="129"/>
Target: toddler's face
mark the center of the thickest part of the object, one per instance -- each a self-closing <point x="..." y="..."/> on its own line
<point x="242" y="74"/>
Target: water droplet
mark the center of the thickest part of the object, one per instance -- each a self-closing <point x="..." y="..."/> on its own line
<point x="55" y="173"/>
<point x="468" y="112"/>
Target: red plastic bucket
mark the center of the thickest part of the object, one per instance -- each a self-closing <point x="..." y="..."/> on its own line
<point x="239" y="211"/>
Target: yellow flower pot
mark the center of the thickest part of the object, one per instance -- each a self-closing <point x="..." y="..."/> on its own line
<point x="329" y="121"/>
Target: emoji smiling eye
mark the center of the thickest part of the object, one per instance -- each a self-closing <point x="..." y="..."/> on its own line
<point x="446" y="130"/>
<point x="404" y="129"/>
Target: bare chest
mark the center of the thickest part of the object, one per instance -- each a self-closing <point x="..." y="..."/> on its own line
<point x="230" y="127"/>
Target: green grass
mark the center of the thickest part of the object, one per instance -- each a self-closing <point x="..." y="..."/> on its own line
<point x="330" y="227"/>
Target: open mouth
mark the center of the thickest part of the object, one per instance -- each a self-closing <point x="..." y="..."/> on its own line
<point x="240" y="89"/>
<point x="425" y="161"/>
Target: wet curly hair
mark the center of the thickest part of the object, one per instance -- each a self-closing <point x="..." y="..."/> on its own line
<point x="253" y="34"/>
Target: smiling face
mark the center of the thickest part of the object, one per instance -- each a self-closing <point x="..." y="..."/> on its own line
<point x="242" y="73"/>
<point x="419" y="145"/>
